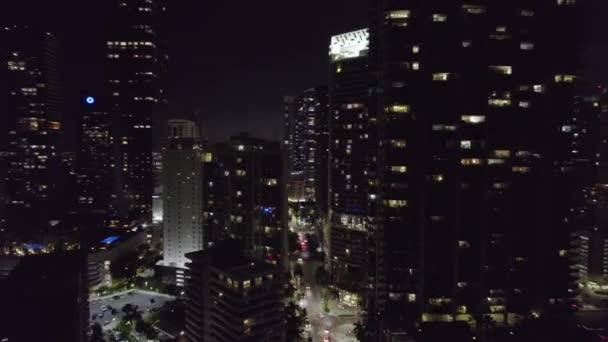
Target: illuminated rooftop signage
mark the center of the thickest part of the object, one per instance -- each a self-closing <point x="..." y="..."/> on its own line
<point x="349" y="45"/>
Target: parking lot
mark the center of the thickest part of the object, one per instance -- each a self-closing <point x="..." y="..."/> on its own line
<point x="107" y="311"/>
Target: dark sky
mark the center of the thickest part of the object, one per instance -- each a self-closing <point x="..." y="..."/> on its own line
<point x="234" y="60"/>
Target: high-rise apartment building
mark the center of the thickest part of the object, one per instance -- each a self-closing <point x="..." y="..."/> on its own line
<point x="30" y="128"/>
<point x="305" y="141"/>
<point x="182" y="195"/>
<point x="233" y="298"/>
<point x="253" y="180"/>
<point x="472" y="207"/>
<point x="136" y="66"/>
<point x="351" y="150"/>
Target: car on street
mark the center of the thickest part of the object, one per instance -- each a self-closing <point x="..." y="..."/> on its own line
<point x="116" y="297"/>
<point x="104" y="308"/>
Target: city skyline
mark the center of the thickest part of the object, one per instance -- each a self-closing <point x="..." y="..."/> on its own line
<point x="352" y="171"/>
<point x="205" y="70"/>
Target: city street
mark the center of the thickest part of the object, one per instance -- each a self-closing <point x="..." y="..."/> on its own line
<point x="337" y="325"/>
<point x="145" y="301"/>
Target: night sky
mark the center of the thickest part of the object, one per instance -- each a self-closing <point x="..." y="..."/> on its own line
<point x="232" y="61"/>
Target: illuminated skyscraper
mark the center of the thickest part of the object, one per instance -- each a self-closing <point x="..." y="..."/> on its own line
<point x="352" y="151"/>
<point x="182" y="195"/>
<point x="305" y="141"/>
<point x="136" y="66"/>
<point x="30" y="127"/>
<point x="473" y="211"/>
<point x="95" y="161"/>
<point x="254" y="206"/>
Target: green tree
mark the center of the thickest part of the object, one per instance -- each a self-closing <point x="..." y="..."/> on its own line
<point x="295" y="317"/>
<point x="125" y="267"/>
<point x="322" y="276"/>
<point x="96" y="333"/>
<point x="298" y="271"/>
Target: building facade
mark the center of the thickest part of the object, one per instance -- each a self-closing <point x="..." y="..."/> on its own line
<point x="182" y="195"/>
<point x="233" y="298"/>
<point x="351" y="152"/>
<point x="95" y="161"/>
<point x="305" y="140"/>
<point x="136" y="63"/>
<point x="252" y="180"/>
<point x="473" y="178"/>
<point x="30" y="129"/>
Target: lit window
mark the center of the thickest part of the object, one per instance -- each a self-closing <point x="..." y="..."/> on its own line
<point x="473" y="119"/>
<point x="465" y="144"/>
<point x="499" y="102"/>
<point x="466" y="43"/>
<point x="470" y="161"/>
<point x="415" y="66"/>
<point x="527" y="13"/>
<point x="500" y="186"/>
<point x="500" y="99"/>
<point x="494" y="161"/>
<point x="440" y="127"/>
<point x="240" y="173"/>
<point x="411" y="297"/>
<point x="474" y="9"/>
<point x="565" y="78"/>
<point x="525" y="104"/>
<point x="246" y="284"/>
<point x="566" y="2"/>
<point x="521" y="169"/>
<point x="396" y="203"/>
<point x="501" y="69"/>
<point x="415" y="49"/>
<point x="398" y="143"/>
<point x="207" y="157"/>
<point x="398" y="14"/>
<point x="526" y="46"/>
<point x="437" y="178"/>
<point x="464" y="244"/>
<point x="502" y="153"/>
<point x="441" y="76"/>
<point x="538" y="88"/>
<point x="399" y="108"/>
<point x="440" y="17"/>
<point x="398" y="169"/>
<point x="271" y="182"/>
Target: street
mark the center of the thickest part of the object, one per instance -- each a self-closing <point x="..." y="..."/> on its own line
<point x="337" y="325"/>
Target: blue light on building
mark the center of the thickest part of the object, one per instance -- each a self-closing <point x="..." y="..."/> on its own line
<point x="90" y="100"/>
<point x="109" y="239"/>
<point x="32" y="245"/>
